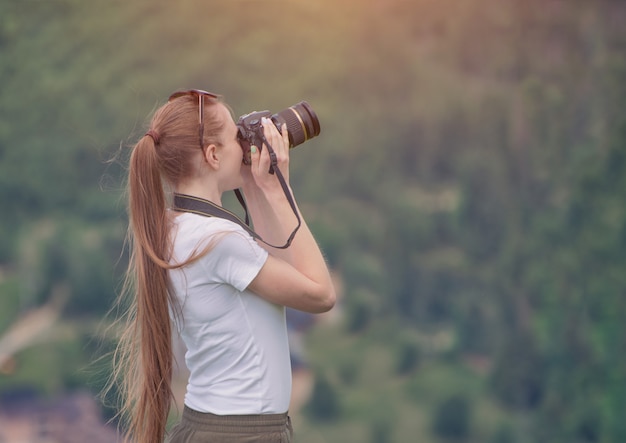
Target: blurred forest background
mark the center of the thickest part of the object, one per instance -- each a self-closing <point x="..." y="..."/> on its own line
<point x="468" y="189"/>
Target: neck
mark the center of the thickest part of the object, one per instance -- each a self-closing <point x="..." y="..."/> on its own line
<point x="202" y="191"/>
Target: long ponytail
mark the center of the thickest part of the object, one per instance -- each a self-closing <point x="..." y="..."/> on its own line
<point x="145" y="349"/>
<point x="143" y="360"/>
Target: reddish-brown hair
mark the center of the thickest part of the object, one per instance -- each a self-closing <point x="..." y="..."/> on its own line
<point x="143" y="360"/>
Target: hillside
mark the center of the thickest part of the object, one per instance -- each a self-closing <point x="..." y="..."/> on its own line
<point x="467" y="188"/>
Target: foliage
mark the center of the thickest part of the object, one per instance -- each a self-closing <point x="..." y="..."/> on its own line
<point x="452" y="418"/>
<point x="408" y="357"/>
<point x="468" y="188"/>
<point x="324" y="404"/>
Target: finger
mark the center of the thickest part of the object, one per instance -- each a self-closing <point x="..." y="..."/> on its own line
<point x="282" y="141"/>
<point x="254" y="159"/>
<point x="272" y="137"/>
<point x="270" y="131"/>
<point x="285" y="135"/>
<point x="263" y="164"/>
<point x="277" y="140"/>
<point x="254" y="154"/>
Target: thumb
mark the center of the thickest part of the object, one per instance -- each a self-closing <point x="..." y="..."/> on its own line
<point x="254" y="155"/>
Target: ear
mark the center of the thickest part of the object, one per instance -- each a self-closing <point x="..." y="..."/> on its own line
<point x="211" y="156"/>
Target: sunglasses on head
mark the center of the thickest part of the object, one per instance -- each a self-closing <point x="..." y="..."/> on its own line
<point x="201" y="94"/>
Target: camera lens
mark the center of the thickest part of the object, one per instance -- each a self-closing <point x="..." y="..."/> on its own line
<point x="302" y="123"/>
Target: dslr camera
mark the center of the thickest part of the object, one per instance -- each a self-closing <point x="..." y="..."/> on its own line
<point x="302" y="125"/>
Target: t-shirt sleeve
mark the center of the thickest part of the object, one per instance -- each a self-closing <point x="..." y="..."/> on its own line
<point x="236" y="259"/>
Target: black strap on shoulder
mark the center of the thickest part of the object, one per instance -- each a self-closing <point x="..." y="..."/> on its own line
<point x="200" y="206"/>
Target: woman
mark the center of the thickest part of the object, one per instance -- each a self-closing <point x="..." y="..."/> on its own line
<point x="225" y="293"/>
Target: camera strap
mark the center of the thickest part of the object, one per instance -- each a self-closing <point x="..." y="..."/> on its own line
<point x="201" y="206"/>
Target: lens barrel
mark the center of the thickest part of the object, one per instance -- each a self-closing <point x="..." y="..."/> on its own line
<point x="302" y="123"/>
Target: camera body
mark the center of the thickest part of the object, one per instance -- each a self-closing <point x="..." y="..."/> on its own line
<point x="250" y="132"/>
<point x="302" y="125"/>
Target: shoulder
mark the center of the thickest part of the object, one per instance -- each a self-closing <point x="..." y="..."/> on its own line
<point x="189" y="225"/>
<point x="225" y="235"/>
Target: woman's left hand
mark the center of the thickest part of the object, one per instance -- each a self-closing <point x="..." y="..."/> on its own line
<point x="261" y="160"/>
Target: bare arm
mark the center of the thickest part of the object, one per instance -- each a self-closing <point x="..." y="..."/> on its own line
<point x="297" y="277"/>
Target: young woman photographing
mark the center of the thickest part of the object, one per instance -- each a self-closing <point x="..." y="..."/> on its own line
<point x="210" y="280"/>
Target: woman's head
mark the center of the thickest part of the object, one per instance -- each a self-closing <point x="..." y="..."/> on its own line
<point x="180" y="132"/>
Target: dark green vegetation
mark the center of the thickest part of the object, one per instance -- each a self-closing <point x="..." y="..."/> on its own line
<point x="468" y="187"/>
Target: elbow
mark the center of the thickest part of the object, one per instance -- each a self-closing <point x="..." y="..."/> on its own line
<point x="326" y="301"/>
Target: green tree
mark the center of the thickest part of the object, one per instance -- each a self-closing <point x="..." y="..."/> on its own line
<point x="452" y="419"/>
<point x="324" y="405"/>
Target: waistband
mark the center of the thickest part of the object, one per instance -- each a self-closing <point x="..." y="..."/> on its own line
<point x="203" y="421"/>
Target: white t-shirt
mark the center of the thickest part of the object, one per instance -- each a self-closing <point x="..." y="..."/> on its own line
<point x="237" y="347"/>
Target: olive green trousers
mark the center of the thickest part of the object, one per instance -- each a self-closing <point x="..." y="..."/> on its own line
<point x="199" y="427"/>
